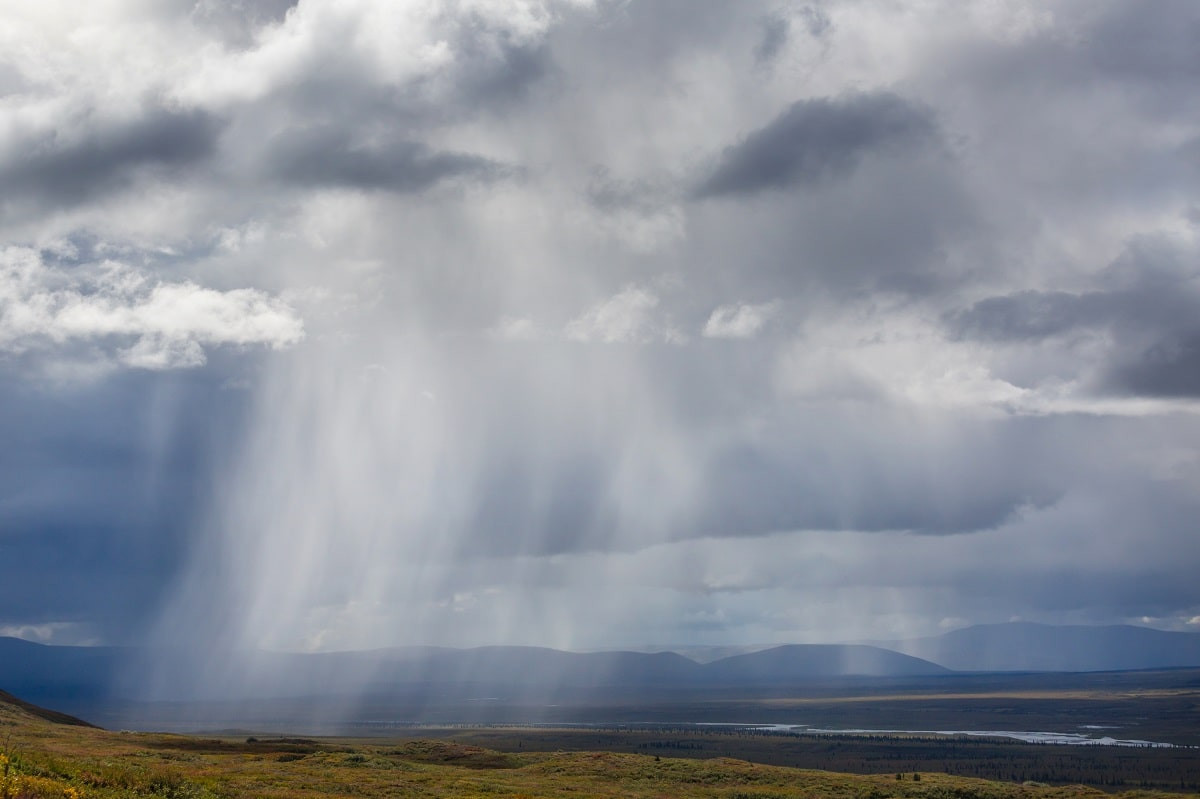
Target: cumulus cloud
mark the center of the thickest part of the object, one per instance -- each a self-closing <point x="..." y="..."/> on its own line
<point x="54" y="633"/>
<point x="740" y="320"/>
<point x="439" y="55"/>
<point x="1169" y="368"/>
<point x="125" y="315"/>
<point x="1131" y="331"/>
<point x="626" y="317"/>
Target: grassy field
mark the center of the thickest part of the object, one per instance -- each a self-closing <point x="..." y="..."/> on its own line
<point x="1106" y="767"/>
<point x="45" y="757"/>
<point x="1159" y="706"/>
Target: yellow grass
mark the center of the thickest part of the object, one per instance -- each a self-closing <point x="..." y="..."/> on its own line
<point x="43" y="759"/>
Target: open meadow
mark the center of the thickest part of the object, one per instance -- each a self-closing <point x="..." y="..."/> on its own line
<point x="50" y="755"/>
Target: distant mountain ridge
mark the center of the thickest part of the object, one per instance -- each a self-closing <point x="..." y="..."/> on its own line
<point x="45" y="673"/>
<point x="72" y="676"/>
<point x="1027" y="646"/>
<point x="783" y="663"/>
<point x="36" y="672"/>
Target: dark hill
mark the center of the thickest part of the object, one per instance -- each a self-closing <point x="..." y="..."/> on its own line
<point x="526" y="665"/>
<point x="46" y="673"/>
<point x="10" y="703"/>
<point x="1025" y="646"/>
<point x="797" y="662"/>
<point x="50" y="674"/>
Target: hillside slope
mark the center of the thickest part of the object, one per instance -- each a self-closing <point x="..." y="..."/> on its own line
<point x="53" y="674"/>
<point x="1025" y="646"/>
<point x="45" y="759"/>
<point x="798" y="662"/>
<point x="14" y="710"/>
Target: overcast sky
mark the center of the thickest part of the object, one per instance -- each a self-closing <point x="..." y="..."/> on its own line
<point x="349" y="324"/>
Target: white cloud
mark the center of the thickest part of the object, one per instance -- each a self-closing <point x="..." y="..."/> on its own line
<point x="739" y="320"/>
<point x="898" y="357"/>
<point x="901" y="359"/>
<point x="128" y="316"/>
<point x="393" y="43"/>
<point x="57" y="633"/>
<point x="625" y="317"/>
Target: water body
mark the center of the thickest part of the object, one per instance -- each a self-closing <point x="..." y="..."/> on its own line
<point x="1059" y="738"/>
<point x="1063" y="738"/>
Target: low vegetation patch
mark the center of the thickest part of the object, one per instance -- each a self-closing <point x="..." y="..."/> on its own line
<point x="47" y="760"/>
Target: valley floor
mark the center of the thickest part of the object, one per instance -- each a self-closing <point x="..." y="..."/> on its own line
<point x="44" y="757"/>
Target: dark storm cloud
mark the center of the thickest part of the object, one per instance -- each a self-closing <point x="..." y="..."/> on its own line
<point x="1030" y="315"/>
<point x="758" y="492"/>
<point x="859" y="471"/>
<point x="1148" y="306"/>
<point x="887" y="226"/>
<point x="330" y="157"/>
<point x="1152" y="42"/>
<point x="496" y="75"/>
<point x="818" y="139"/>
<point x="1033" y="315"/>
<point x="755" y="492"/>
<point x="1161" y="513"/>
<point x="575" y="516"/>
<point x="57" y="168"/>
<point x="856" y="470"/>
<point x="85" y="570"/>
<point x="1144" y="46"/>
<point x="99" y="489"/>
<point x="1169" y="368"/>
<point x="1153" y="286"/>
<point x="960" y="171"/>
<point x="340" y="92"/>
<point x="339" y="123"/>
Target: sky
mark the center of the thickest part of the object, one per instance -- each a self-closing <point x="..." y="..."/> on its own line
<point x="596" y="323"/>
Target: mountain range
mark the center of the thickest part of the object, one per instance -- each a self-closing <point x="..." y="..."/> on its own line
<point x="63" y="675"/>
<point x="45" y="673"/>
<point x="1026" y="646"/>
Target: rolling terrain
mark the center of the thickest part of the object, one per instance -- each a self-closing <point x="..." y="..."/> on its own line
<point x="44" y="758"/>
<point x="58" y="674"/>
<point x="865" y="686"/>
<point x="1025" y="646"/>
<point x="82" y="675"/>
